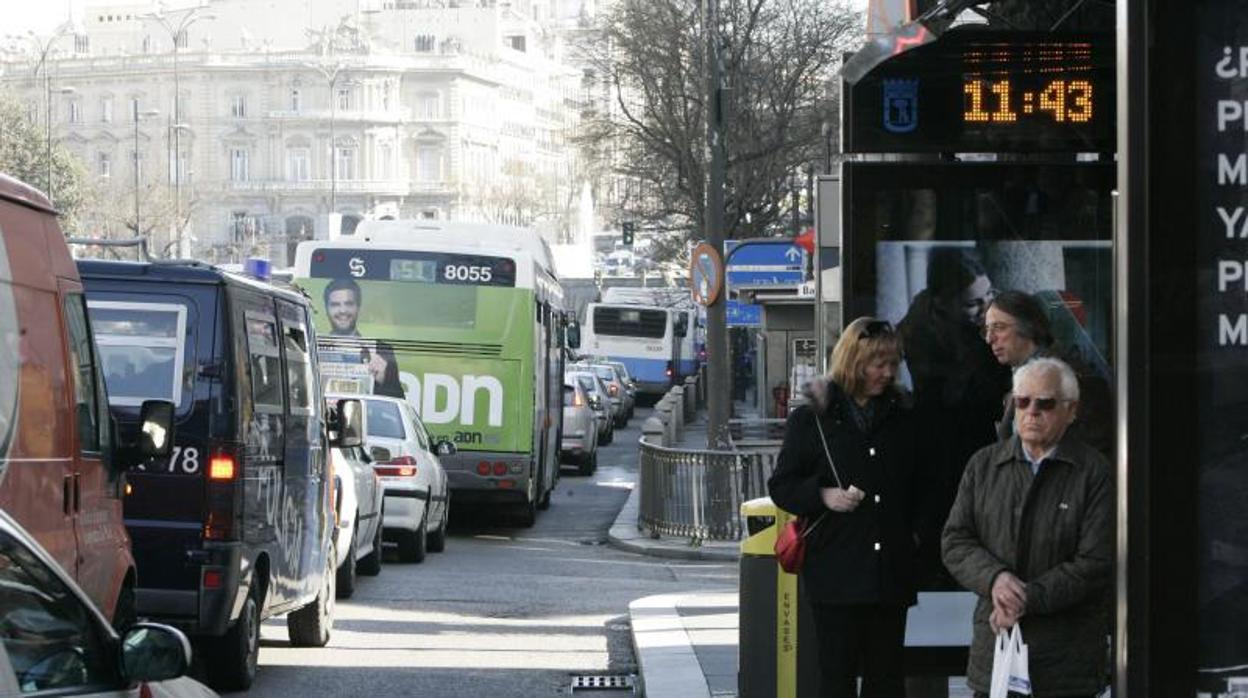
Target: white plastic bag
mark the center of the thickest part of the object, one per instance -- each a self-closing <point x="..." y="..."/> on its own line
<point x="1009" y="665"/>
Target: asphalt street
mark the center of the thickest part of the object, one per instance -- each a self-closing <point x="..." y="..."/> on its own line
<point x="504" y="611"/>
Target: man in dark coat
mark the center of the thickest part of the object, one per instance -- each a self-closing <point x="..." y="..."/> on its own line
<point x="1032" y="533"/>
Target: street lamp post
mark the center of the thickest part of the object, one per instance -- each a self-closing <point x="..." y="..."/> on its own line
<point x="43" y="46"/>
<point x="138" y="116"/>
<point x="177" y="27"/>
<point x="331" y="71"/>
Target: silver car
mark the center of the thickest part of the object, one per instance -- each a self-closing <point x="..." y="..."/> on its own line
<point x="56" y="642"/>
<point x="622" y="400"/>
<point x="596" y="391"/>
<point x="579" y="443"/>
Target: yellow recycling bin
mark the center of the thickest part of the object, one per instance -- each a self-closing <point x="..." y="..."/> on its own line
<point x="777" y="651"/>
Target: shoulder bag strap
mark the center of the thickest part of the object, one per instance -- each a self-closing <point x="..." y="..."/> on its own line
<point x="835" y="475"/>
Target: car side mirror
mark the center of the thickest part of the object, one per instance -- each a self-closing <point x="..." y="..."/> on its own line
<point x="574" y="335"/>
<point x="154" y="652"/>
<point x="350" y="423"/>
<point x="155" y="429"/>
<point x="445" y="448"/>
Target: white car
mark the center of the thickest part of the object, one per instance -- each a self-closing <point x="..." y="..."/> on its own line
<point x="358" y="505"/>
<point x="579" y="441"/>
<point x="417" y="500"/>
<point x="54" y="641"/>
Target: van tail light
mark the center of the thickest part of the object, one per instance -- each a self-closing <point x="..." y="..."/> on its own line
<point x="578" y="400"/>
<point x="401" y="466"/>
<point x="222" y="497"/>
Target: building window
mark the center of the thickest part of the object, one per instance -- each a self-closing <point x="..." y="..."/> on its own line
<point x="296" y="101"/>
<point x="106" y="110"/>
<point x="385" y="97"/>
<point x="424" y="43"/>
<point x="238" y="224"/>
<point x="515" y="42"/>
<point x="238" y="165"/>
<point x="346" y="162"/>
<point x="75" y="111"/>
<point x="386" y="162"/>
<point x="147" y="44"/>
<point x="298" y="164"/>
<point x="104" y="165"/>
<point x="344" y="98"/>
<point x="428" y="106"/>
<point x="180" y="41"/>
<point x="82" y="43"/>
<point x="184" y="166"/>
<point x="428" y="165"/>
<point x="238" y="106"/>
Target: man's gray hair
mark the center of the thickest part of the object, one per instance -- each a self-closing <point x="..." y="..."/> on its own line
<point x="1068" y="382"/>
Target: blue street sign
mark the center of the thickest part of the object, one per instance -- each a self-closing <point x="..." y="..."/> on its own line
<point x="760" y="262"/>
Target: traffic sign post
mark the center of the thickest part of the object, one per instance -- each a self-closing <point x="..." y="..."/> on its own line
<point x="706" y="274"/>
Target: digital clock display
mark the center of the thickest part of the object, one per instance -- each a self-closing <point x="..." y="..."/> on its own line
<point x="976" y="91"/>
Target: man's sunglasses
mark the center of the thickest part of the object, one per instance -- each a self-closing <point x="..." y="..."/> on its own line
<point x="1044" y="404"/>
<point x="876" y="328"/>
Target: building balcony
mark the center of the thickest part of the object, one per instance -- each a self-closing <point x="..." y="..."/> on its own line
<point x="375" y="187"/>
<point x="346" y="116"/>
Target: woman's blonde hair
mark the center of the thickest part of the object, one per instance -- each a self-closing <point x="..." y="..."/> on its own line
<point x="865" y="340"/>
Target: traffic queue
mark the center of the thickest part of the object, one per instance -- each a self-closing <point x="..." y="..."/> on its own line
<point x="167" y="454"/>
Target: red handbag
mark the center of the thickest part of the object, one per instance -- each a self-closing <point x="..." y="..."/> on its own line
<point x="791" y="544"/>
<point x="791" y="540"/>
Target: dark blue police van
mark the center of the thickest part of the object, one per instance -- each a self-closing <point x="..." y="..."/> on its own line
<point x="237" y="524"/>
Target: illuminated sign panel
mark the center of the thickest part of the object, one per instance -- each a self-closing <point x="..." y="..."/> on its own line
<point x="987" y="91"/>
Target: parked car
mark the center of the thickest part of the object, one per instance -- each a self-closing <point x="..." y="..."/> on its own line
<point x="417" y="501"/>
<point x="622" y="402"/>
<point x="55" y="641"/>
<point x="598" y="400"/>
<point x="358" y="506"/>
<point x="579" y="443"/>
<point x="62" y="475"/>
<point x="236" y="356"/>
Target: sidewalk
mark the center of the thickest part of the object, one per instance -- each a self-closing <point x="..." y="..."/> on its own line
<point x="686" y="644"/>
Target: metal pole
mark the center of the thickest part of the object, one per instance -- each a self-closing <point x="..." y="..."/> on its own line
<point x="333" y="155"/>
<point x="718" y="385"/>
<point x="138" y="230"/>
<point x="47" y="117"/>
<point x="177" y="149"/>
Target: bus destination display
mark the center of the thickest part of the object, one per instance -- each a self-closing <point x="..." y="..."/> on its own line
<point x="980" y="91"/>
<point x="414" y="267"/>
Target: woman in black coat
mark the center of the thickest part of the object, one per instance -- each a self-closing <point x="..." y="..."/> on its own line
<point x="860" y="558"/>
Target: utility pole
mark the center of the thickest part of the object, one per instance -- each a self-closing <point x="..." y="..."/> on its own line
<point x="44" y="48"/>
<point x="330" y="68"/>
<point x="719" y="395"/>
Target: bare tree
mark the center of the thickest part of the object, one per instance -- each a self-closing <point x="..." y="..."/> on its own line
<point x="644" y="127"/>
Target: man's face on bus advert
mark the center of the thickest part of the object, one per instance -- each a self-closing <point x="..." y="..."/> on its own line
<point x="343" y="308"/>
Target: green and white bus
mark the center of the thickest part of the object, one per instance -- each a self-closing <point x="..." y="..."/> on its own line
<point x="466" y="322"/>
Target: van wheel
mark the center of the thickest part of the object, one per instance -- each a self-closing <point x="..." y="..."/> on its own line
<point x="588" y="464"/>
<point x="237" y="653"/>
<point x="346" y="570"/>
<point x="437" y="539"/>
<point x="370" y="564"/>
<point x="413" y="544"/>
<point x="124" y="614"/>
<point x="310" y="626"/>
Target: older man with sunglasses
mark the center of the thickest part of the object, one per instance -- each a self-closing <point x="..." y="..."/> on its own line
<point x="1032" y="533"/>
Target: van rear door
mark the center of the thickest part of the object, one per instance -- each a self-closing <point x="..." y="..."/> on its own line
<point x="157" y="343"/>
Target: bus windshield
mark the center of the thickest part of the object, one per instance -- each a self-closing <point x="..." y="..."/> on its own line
<point x="630" y="322"/>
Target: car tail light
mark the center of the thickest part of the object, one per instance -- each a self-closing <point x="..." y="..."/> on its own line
<point x="402" y="466"/>
<point x="213" y="579"/>
<point x="613" y="389"/>
<point x="579" y="399"/>
<point x="222" y="497"/>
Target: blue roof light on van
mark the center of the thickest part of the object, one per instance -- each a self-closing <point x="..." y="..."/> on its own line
<point x="258" y="268"/>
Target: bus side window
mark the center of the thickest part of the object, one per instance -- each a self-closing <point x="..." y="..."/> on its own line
<point x="84" y="375"/>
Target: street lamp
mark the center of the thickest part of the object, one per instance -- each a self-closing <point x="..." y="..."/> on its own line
<point x="43" y="46"/>
<point x="138" y="116"/>
<point x="331" y="71"/>
<point x="176" y="23"/>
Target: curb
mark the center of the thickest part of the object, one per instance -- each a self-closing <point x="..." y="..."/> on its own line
<point x="666" y="661"/>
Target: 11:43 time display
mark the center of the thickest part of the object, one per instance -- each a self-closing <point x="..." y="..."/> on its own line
<point x="996" y="101"/>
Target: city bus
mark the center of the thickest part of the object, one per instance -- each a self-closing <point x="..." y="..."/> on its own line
<point x="466" y="322"/>
<point x="690" y="321"/>
<point x="645" y="338"/>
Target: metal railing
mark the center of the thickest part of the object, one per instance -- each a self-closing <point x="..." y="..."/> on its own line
<point x="697" y="493"/>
